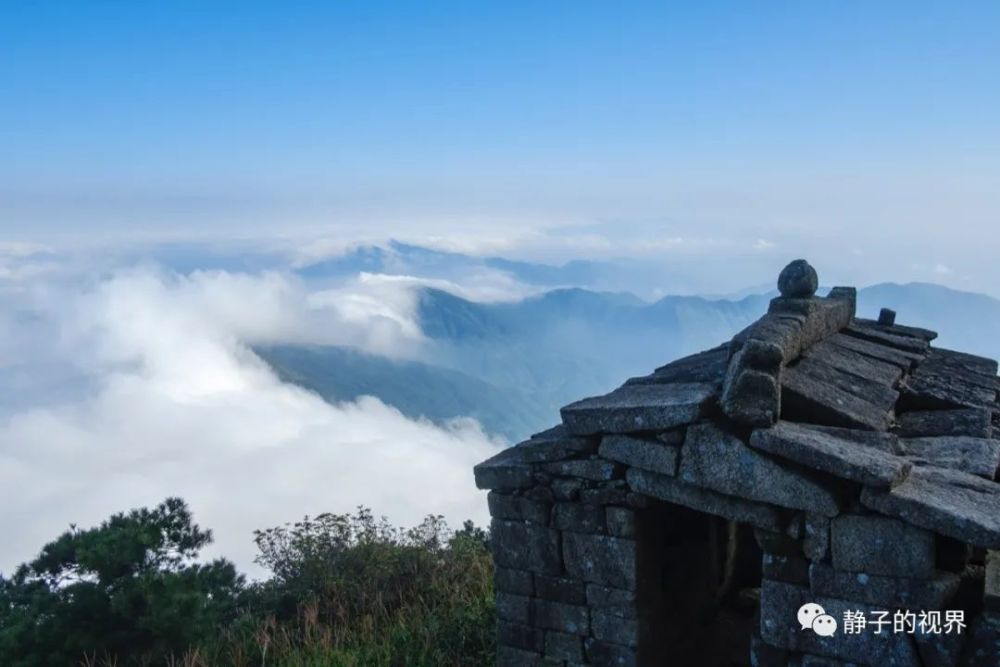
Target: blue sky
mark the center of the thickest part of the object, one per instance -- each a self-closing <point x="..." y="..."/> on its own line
<point x="767" y="121"/>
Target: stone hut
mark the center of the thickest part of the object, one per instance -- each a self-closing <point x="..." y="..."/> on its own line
<point x="819" y="491"/>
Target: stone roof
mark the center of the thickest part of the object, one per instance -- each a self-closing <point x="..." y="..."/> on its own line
<point x="808" y="409"/>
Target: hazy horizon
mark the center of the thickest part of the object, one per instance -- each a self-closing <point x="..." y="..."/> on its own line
<point x="168" y="172"/>
<point x="865" y="138"/>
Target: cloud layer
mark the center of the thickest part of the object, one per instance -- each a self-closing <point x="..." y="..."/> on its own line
<point x="163" y="397"/>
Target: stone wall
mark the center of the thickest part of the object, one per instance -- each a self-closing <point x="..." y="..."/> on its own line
<point x="883" y="570"/>
<point x="580" y="521"/>
<point x="567" y="557"/>
<point x="854" y="465"/>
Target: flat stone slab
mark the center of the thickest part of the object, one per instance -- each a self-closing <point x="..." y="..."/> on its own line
<point x="561" y="646"/>
<point x="560" y="589"/>
<point x="640" y="407"/>
<point x="953" y="360"/>
<point x="596" y="470"/>
<point x="505" y="471"/>
<point x="610" y="627"/>
<point x="884" y="592"/>
<point x="948" y="502"/>
<point x="886" y="442"/>
<point x="940" y="388"/>
<point x="905" y="360"/>
<point x="621" y="603"/>
<point x="511" y="468"/>
<point x="518" y="508"/>
<point x="855" y="363"/>
<point x="579" y="517"/>
<point x="976" y="456"/>
<point x="881" y="395"/>
<point x="677" y="492"/>
<point x="974" y="422"/>
<point x="879" y="545"/>
<point x="509" y="656"/>
<point x="951" y="379"/>
<point x="650" y="455"/>
<point x="897" y="329"/>
<point x="555" y="444"/>
<point x="905" y="343"/>
<point x="708" y="367"/>
<point x="514" y="608"/>
<point x="717" y="460"/>
<point x="811" y="399"/>
<point x="568" y="618"/>
<point x="599" y="559"/>
<point x="517" y="582"/>
<point x="525" y="546"/>
<point x="820" y="450"/>
<point x="522" y="637"/>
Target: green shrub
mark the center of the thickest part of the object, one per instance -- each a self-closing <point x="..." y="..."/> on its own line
<point x="353" y="590"/>
<point x="345" y="591"/>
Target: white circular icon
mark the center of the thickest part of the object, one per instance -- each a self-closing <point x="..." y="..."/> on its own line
<point x="808" y="613"/>
<point x="824" y="625"/>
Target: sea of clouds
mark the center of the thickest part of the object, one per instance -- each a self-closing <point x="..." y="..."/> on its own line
<point x="126" y="377"/>
<point x="124" y="385"/>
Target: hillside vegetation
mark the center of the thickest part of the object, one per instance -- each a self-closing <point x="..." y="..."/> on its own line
<point x="344" y="591"/>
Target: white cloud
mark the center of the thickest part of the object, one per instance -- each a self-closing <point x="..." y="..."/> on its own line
<point x="485" y="285"/>
<point x="22" y="261"/>
<point x="324" y="248"/>
<point x="942" y="270"/>
<point x="178" y="405"/>
<point x="138" y="305"/>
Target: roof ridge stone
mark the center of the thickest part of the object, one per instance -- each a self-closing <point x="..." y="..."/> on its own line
<point x="795" y="321"/>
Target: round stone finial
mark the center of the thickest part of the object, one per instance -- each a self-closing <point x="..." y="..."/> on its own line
<point x="798" y="280"/>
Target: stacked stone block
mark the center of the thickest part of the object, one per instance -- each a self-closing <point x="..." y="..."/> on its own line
<point x="863" y="563"/>
<point x="872" y="489"/>
<point x="565" y="548"/>
<point x="568" y="539"/>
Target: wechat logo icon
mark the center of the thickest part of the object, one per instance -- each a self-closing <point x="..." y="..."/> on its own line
<point x="813" y="617"/>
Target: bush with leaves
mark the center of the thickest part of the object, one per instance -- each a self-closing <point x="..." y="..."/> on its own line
<point x="359" y="591"/>
<point x="127" y="592"/>
<point x="346" y="591"/>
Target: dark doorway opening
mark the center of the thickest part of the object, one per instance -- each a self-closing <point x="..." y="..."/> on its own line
<point x="699" y="589"/>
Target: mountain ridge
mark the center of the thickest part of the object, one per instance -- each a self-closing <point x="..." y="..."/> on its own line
<point x="514" y="364"/>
